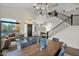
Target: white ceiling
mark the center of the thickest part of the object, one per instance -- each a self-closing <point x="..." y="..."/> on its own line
<point x="20" y="5"/>
<point x="58" y="6"/>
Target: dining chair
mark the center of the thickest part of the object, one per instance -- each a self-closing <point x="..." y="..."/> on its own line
<point x="62" y="52"/>
<point x="63" y="48"/>
<point x="55" y="39"/>
<point x="34" y="40"/>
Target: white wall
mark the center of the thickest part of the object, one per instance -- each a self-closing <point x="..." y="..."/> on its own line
<point x="25" y="30"/>
<point x="35" y="30"/>
<point x="70" y="36"/>
<point x="14" y="12"/>
<point x="39" y="29"/>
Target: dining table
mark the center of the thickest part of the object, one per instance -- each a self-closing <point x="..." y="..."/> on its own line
<point x="51" y="49"/>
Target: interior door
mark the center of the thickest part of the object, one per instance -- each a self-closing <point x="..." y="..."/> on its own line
<point x="29" y="30"/>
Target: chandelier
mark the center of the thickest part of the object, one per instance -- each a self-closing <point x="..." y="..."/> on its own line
<point x="40" y="8"/>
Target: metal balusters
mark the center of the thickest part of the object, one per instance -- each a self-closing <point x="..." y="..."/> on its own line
<point x="60" y="27"/>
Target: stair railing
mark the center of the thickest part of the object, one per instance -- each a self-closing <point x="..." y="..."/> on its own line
<point x="66" y="21"/>
<point x="59" y="27"/>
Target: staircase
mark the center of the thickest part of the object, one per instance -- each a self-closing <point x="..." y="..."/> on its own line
<point x="67" y="21"/>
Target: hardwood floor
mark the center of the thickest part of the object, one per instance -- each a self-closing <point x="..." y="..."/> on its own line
<point x="72" y="51"/>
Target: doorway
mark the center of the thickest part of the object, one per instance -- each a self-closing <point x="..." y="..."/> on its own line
<point x="29" y="30"/>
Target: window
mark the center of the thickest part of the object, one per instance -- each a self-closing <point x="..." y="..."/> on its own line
<point x="8" y="26"/>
